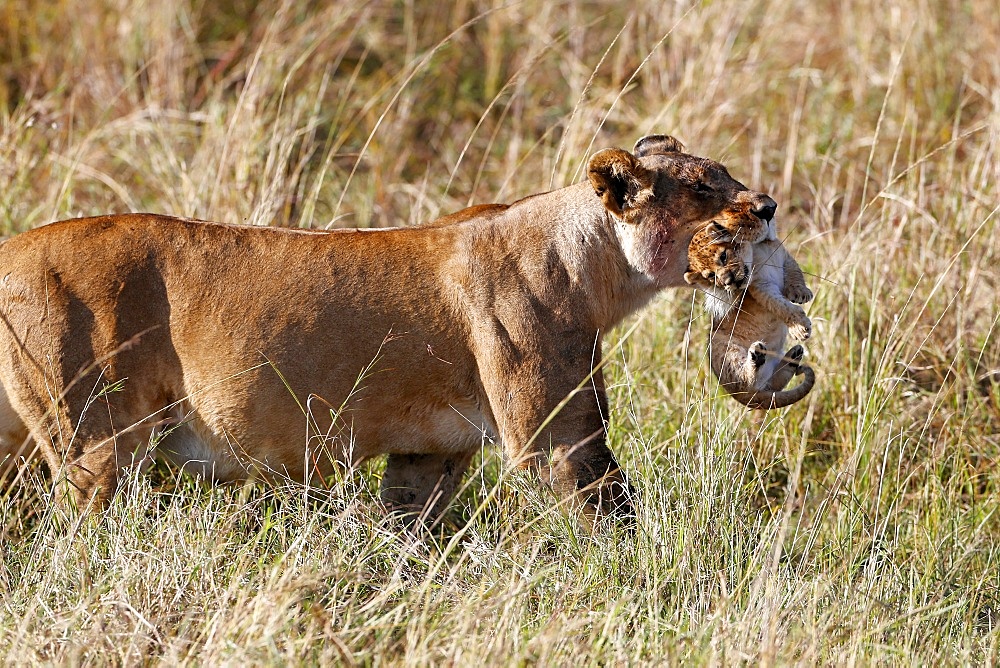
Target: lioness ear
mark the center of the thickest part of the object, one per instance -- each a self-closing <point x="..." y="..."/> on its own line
<point x="657" y="144"/>
<point x="618" y="179"/>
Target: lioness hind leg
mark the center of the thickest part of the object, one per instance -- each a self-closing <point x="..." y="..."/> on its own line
<point x="421" y="486"/>
<point x="16" y="446"/>
<point x="92" y="465"/>
<point x="80" y="438"/>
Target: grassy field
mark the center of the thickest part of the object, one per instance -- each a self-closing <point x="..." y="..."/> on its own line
<point x="859" y="526"/>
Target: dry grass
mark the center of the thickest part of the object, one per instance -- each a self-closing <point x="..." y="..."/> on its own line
<point x="858" y="526"/>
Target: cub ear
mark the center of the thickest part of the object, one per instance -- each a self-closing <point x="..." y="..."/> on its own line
<point x="618" y="179"/>
<point x="720" y="234"/>
<point x="657" y="144"/>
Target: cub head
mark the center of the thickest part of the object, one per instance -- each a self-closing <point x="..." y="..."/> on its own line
<point x="659" y="196"/>
<point x="718" y="260"/>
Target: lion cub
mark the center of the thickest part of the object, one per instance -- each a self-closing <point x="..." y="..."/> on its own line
<point x="749" y="328"/>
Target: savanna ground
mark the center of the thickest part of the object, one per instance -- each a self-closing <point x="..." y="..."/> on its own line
<point x="859" y="526"/>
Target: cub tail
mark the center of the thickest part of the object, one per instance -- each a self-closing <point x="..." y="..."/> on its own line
<point x="766" y="400"/>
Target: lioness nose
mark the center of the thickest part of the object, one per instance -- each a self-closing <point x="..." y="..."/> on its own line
<point x="765" y="208"/>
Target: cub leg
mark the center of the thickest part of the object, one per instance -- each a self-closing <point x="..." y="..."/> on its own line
<point x="757" y="356"/>
<point x="795" y="283"/>
<point x="787" y="367"/>
<point x="420" y="486"/>
<point x="736" y="366"/>
<point x="799" y="325"/>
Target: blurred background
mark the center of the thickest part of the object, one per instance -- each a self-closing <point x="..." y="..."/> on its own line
<point x="389" y="113"/>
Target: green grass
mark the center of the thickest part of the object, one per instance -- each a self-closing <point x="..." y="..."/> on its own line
<point x="859" y="526"/>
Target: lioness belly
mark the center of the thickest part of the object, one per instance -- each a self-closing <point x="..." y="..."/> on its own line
<point x="306" y="447"/>
<point x="200" y="453"/>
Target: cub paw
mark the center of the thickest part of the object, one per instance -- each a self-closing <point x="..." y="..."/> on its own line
<point x="696" y="279"/>
<point x="799" y="294"/>
<point x="802" y="329"/>
<point x="794" y="355"/>
<point x="757" y="354"/>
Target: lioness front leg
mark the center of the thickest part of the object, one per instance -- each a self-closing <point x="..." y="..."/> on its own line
<point x="586" y="472"/>
<point x="559" y="431"/>
<point x="420" y="486"/>
<point x="85" y="452"/>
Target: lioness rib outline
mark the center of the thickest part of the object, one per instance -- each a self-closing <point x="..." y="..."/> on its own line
<point x="216" y="335"/>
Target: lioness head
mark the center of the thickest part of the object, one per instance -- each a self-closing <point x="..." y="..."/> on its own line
<point x="659" y="196"/>
<point x="716" y="259"/>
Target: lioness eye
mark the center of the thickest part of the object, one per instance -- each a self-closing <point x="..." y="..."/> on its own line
<point x="702" y="187"/>
<point x="723" y="257"/>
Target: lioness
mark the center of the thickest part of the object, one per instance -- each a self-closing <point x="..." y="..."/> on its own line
<point x="749" y="329"/>
<point x="232" y="349"/>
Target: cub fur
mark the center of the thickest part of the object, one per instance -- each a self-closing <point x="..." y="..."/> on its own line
<point x="236" y="350"/>
<point x="749" y="328"/>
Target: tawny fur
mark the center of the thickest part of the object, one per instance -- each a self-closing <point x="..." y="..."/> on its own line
<point x="236" y="350"/>
<point x="749" y="328"/>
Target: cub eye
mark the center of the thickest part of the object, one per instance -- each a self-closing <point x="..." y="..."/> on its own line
<point x="701" y="187"/>
<point x="723" y="256"/>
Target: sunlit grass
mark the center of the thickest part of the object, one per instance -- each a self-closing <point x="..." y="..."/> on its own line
<point x="858" y="526"/>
